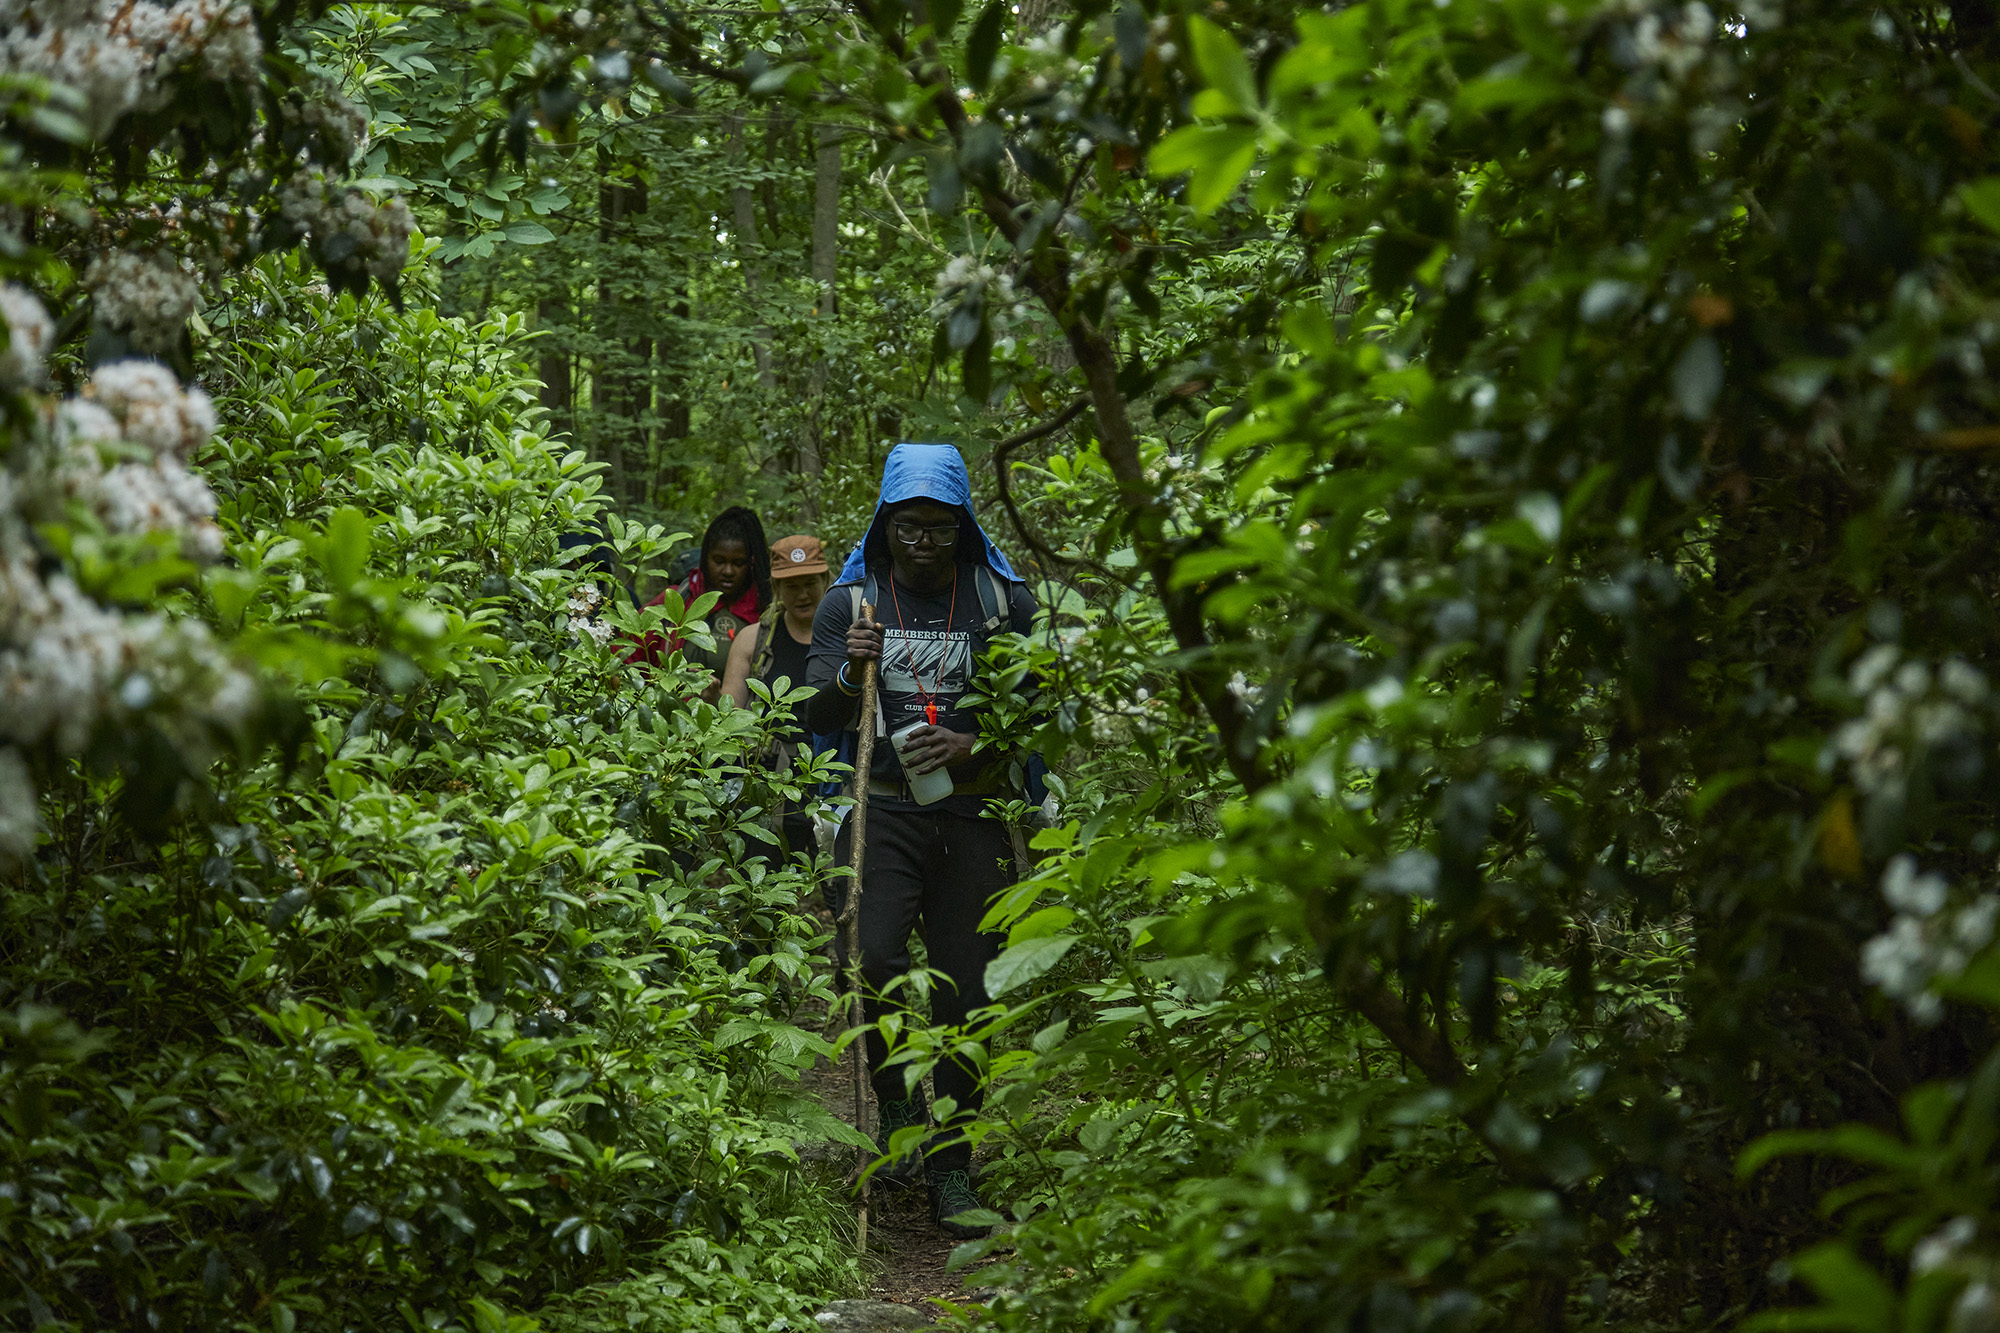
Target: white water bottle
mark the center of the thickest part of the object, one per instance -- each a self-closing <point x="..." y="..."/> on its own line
<point x="925" y="788"/>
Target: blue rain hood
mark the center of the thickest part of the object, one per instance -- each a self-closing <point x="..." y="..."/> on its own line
<point x="923" y="472"/>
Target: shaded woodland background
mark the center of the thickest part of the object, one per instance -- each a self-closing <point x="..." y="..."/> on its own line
<point x="1512" y="486"/>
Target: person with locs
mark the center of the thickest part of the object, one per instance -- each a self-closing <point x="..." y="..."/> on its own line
<point x="940" y="591"/>
<point x="774" y="649"/>
<point x="736" y="565"/>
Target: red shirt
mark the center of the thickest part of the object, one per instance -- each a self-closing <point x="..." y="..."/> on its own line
<point x="746" y="608"/>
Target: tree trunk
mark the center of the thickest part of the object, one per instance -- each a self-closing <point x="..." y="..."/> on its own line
<point x="743" y="212"/>
<point x="553" y="366"/>
<point x="826" y="278"/>
<point x="1033" y="16"/>
<point x="777" y="133"/>
<point x="624" y="386"/>
<point x="676" y="414"/>
<point x="826" y="219"/>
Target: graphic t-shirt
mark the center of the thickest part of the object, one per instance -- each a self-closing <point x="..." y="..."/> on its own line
<point x="930" y="643"/>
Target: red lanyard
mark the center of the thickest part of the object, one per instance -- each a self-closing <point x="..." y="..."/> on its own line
<point x="928" y="698"/>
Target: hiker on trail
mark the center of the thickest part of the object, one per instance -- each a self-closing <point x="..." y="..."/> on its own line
<point x="774" y="649"/>
<point x="941" y="591"/>
<point x="736" y="563"/>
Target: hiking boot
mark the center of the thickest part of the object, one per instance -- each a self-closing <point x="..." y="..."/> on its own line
<point x="899" y="1113"/>
<point x="951" y="1196"/>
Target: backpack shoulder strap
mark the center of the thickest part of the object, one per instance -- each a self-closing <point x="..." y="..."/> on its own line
<point x="869" y="591"/>
<point x="767" y="642"/>
<point x="992" y="597"/>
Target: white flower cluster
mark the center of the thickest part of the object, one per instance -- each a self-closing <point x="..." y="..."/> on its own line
<point x="1054" y="70"/>
<point x="20" y="820"/>
<point x="1926" y="941"/>
<point x="1240" y="686"/>
<point x="1047" y="44"/>
<point x="1681" y="61"/>
<point x="66" y="662"/>
<point x="348" y="228"/>
<point x="1952" y="1247"/>
<point x="965" y="274"/>
<point x="1909" y="708"/>
<point x="152" y="409"/>
<point x="122" y="450"/>
<point x="582" y="607"/>
<point x="1943" y="1246"/>
<point x="120" y="54"/>
<point x="597" y="631"/>
<point x="148" y="296"/>
<point x="342" y="124"/>
<point x="1675" y="41"/>
<point x="29" y="333"/>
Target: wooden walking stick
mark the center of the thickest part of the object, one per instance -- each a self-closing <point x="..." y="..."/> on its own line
<point x="850" y="911"/>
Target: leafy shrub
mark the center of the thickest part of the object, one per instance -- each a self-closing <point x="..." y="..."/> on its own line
<point x="1590" y="595"/>
<point x="468" y="999"/>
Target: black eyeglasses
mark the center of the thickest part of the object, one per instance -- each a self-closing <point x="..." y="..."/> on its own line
<point x="909" y="534"/>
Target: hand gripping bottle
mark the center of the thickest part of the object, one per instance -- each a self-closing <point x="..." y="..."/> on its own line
<point x="926" y="788"/>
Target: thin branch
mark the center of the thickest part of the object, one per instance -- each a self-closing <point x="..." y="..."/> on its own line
<point x="909" y="227"/>
<point x="1377" y="1001"/>
<point x="1050" y="560"/>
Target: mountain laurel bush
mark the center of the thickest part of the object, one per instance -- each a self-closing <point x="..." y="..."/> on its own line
<point x="463" y="998"/>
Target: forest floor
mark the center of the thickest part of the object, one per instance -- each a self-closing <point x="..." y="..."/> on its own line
<point x="907" y="1252"/>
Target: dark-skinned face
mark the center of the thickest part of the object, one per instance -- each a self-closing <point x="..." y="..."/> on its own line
<point x="928" y="562"/>
<point x="727" y="569"/>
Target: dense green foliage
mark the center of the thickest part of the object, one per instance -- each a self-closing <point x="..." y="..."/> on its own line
<point x="403" y="1026"/>
<point x="679" y="261"/>
<point x="1512" y="485"/>
<point x="1587" y="590"/>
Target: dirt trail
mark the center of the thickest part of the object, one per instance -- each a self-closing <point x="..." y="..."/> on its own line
<point x="907" y="1251"/>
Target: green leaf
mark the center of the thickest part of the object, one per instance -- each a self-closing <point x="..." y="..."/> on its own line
<point x="945" y="189"/>
<point x="344" y="551"/>
<point x="983" y="45"/>
<point x="1222" y="64"/>
<point x="1858" y="1143"/>
<point x="668" y="82"/>
<point x="487" y="1317"/>
<point x="1982" y="199"/>
<point x="805" y="1119"/>
<point x="738" y="1030"/>
<point x="1857" y="1298"/>
<point x="527" y="233"/>
<point x="944" y="17"/>
<point x="773" y="80"/>
<point x="1048" y="921"/>
<point x="1023" y="962"/>
<point x="979" y="1217"/>
<point x="1216" y="155"/>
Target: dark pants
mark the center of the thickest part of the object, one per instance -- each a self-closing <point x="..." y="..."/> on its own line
<point x="943" y="869"/>
<point x="800" y="843"/>
<point x="800" y="840"/>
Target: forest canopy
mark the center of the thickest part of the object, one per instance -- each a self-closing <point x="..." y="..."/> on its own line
<point x="1505" y="484"/>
